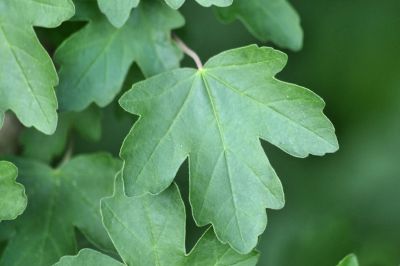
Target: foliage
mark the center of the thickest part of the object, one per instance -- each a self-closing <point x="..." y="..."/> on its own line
<point x="216" y="117"/>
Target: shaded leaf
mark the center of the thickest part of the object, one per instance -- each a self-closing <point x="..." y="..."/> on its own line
<point x="45" y="148"/>
<point x="12" y="194"/>
<point x="216" y="116"/>
<point x="95" y="60"/>
<point x="60" y="199"/>
<point x="268" y="20"/>
<point x="27" y="74"/>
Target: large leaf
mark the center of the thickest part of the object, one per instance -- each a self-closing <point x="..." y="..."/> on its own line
<point x="12" y="194"/>
<point x="45" y="148"/>
<point x="150" y="230"/>
<point x="268" y="20"/>
<point x="349" y="260"/>
<point x="60" y="199"/>
<point x="207" y="3"/>
<point x="216" y="116"/>
<point x="27" y="74"/>
<point x="95" y="60"/>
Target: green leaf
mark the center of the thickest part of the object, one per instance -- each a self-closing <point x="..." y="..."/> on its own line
<point x="349" y="260"/>
<point x="60" y="199"/>
<point x="150" y="230"/>
<point x="268" y="20"/>
<point x="95" y="60"/>
<point x="45" y="148"/>
<point x="216" y="116"/>
<point x="27" y="74"/>
<point x="12" y="194"/>
<point x="88" y="257"/>
<point x="117" y="11"/>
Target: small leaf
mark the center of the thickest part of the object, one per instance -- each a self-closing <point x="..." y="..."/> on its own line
<point x="27" y="74"/>
<point x="45" y="148"/>
<point x="150" y="230"/>
<point x="117" y="11"/>
<point x="349" y="260"/>
<point x="95" y="60"/>
<point x="268" y="20"/>
<point x="221" y="3"/>
<point x="216" y="116"/>
<point x="175" y="4"/>
<point x="12" y="194"/>
<point x="58" y="198"/>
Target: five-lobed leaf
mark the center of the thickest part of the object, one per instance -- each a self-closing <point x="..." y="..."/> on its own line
<point x="60" y="199"/>
<point x="27" y="74"/>
<point x="150" y="230"/>
<point x="95" y="60"/>
<point x="215" y="116"/>
<point x="268" y="20"/>
<point x="349" y="260"/>
<point x="12" y="194"/>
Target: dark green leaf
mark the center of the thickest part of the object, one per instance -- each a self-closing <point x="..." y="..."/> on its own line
<point x="95" y="60"/>
<point x="60" y="199"/>
<point x="45" y="148"/>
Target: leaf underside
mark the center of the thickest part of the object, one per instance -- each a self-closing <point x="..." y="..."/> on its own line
<point x="215" y="116"/>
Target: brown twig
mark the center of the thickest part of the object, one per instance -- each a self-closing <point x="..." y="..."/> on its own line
<point x="184" y="48"/>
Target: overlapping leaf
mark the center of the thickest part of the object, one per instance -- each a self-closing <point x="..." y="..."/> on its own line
<point x="60" y="199"/>
<point x="117" y="11"/>
<point x="12" y="194"/>
<point x="349" y="260"/>
<point x="207" y="3"/>
<point x="268" y="20"/>
<point x="95" y="60"/>
<point x="150" y="230"/>
<point x="45" y="148"/>
<point x="27" y="74"/>
<point x="216" y="116"/>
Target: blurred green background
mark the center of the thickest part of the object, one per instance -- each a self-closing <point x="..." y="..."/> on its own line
<point x="340" y="203"/>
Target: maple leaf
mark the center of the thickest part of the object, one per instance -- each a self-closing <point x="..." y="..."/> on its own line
<point x="95" y="60"/>
<point x="27" y="74"/>
<point x="150" y="230"/>
<point x="215" y="116"/>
